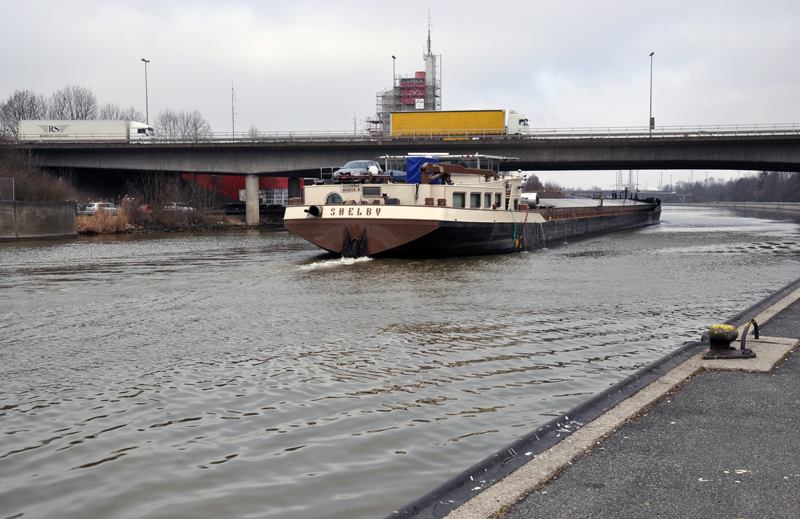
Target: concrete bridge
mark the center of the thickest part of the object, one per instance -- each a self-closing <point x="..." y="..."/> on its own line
<point x="765" y="147"/>
<point x="305" y="155"/>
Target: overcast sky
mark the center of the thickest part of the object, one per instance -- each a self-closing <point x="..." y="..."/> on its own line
<point x="317" y="66"/>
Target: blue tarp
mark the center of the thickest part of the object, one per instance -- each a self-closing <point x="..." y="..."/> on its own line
<point x="412" y="169"/>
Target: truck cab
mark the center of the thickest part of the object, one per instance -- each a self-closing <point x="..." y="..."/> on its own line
<point x="141" y="132"/>
<point x="517" y="124"/>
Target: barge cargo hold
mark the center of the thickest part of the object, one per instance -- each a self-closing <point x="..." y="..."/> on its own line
<point x="450" y="209"/>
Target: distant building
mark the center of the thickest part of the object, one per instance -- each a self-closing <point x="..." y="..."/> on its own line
<point x="420" y="92"/>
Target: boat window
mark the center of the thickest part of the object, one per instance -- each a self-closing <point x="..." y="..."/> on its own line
<point x="516" y="204"/>
<point x="459" y="199"/>
<point x="333" y="198"/>
<point x="497" y="199"/>
<point x="475" y="200"/>
<point x="487" y="200"/>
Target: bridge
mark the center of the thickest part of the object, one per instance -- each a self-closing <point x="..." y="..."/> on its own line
<point x="302" y="154"/>
<point x="306" y="154"/>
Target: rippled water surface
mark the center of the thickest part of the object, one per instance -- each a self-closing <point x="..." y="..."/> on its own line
<point x="247" y="375"/>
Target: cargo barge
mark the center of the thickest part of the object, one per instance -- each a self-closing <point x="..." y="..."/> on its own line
<point x="447" y="207"/>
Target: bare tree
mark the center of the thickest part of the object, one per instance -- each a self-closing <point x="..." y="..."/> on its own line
<point x="201" y="191"/>
<point x="73" y="102"/>
<point x="113" y="112"/>
<point x="21" y="105"/>
<point x="533" y="184"/>
<point x="195" y="126"/>
<point x="160" y="190"/>
<point x="253" y="131"/>
<point x="173" y="124"/>
<point x="552" y="190"/>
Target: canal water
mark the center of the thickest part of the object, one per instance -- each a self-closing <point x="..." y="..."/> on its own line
<point x="245" y="374"/>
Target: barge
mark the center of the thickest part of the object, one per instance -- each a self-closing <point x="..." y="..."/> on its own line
<point x="451" y="206"/>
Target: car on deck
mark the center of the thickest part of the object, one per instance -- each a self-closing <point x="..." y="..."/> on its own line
<point x="357" y="171"/>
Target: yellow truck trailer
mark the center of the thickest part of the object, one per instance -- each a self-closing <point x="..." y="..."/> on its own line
<point x="457" y="123"/>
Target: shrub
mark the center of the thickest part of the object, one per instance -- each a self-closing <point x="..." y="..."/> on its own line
<point x="31" y="183"/>
<point x="103" y="223"/>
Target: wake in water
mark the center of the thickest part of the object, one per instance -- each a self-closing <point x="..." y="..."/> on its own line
<point x="333" y="263"/>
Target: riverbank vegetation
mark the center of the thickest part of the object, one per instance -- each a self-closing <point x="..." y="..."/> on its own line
<point x="103" y="223"/>
<point x="162" y="201"/>
<point x="764" y="186"/>
<point x="546" y="190"/>
<point x="29" y="183"/>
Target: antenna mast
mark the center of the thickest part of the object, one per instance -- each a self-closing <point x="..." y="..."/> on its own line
<point x="429" y="32"/>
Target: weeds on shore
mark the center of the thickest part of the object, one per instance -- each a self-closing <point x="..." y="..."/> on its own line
<point x="128" y="218"/>
<point x="103" y="223"/>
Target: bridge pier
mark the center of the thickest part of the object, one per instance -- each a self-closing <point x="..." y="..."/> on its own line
<point x="251" y="195"/>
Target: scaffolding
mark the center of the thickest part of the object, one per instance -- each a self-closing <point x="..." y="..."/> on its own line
<point x="417" y="93"/>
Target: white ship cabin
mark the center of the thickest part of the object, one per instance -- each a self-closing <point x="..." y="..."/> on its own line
<point x="449" y="183"/>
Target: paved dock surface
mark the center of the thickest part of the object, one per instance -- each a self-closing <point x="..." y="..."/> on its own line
<point x="723" y="444"/>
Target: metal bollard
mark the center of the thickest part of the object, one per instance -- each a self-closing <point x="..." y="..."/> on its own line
<point x="746" y="327"/>
<point x="720" y="337"/>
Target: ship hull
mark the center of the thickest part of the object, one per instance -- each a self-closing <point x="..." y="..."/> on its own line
<point x="437" y="232"/>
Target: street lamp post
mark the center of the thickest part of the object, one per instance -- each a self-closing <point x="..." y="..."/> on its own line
<point x="652" y="121"/>
<point x="394" y="60"/>
<point x="146" y="100"/>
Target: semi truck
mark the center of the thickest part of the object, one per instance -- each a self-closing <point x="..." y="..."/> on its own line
<point x="458" y="123"/>
<point x="84" y="131"/>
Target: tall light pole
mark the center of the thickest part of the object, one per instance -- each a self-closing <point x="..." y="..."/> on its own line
<point x="394" y="60"/>
<point x="652" y="121"/>
<point x="146" y="100"/>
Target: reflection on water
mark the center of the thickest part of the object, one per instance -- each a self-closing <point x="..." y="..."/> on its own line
<point x="249" y="375"/>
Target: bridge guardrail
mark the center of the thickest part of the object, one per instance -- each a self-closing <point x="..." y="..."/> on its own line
<point x="634" y="132"/>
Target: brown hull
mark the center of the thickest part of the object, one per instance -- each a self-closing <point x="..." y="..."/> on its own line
<point x="383" y="234"/>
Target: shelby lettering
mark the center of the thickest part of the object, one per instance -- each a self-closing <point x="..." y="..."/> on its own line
<point x="356" y="211"/>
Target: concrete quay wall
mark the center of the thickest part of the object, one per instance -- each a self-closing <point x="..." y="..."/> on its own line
<point x="34" y="220"/>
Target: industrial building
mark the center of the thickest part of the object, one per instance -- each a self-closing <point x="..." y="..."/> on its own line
<point x="420" y="92"/>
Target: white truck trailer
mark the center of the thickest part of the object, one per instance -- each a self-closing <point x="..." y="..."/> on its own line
<point x="84" y="131"/>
